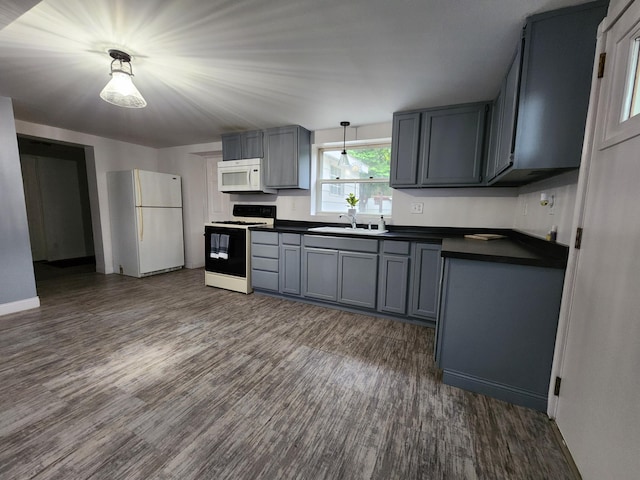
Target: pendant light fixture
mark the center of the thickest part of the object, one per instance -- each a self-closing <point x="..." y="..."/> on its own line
<point x="120" y="90"/>
<point x="344" y="158"/>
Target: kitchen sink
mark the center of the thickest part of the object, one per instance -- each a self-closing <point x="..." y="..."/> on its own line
<point x="359" y="231"/>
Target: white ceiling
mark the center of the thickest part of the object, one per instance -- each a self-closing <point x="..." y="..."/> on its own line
<point x="208" y="67"/>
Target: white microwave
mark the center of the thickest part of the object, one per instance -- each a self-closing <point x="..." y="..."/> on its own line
<point x="242" y="176"/>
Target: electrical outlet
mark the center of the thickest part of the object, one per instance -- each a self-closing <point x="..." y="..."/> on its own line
<point x="416" y="207"/>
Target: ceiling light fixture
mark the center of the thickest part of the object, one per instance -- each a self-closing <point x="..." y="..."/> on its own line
<point x="344" y="158"/>
<point x="120" y="90"/>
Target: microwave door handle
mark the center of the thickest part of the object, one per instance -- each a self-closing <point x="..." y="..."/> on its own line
<point x="249" y="177"/>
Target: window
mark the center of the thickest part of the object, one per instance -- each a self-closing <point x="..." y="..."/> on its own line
<point x="366" y="176"/>
<point x="632" y="104"/>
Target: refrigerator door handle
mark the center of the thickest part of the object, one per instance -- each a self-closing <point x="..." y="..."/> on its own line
<point x="140" y="223"/>
<point x="138" y="187"/>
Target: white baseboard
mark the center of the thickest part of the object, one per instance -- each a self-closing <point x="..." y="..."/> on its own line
<point x="13" y="307"/>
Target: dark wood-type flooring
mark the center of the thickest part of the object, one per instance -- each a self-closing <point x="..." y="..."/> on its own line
<point x="164" y="378"/>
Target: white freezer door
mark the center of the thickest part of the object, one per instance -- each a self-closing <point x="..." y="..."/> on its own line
<point x="154" y="189"/>
<point x="160" y="238"/>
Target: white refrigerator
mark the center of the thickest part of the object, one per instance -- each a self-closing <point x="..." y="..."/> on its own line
<point x="146" y="222"/>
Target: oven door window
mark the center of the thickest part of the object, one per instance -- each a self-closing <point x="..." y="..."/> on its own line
<point x="236" y="263"/>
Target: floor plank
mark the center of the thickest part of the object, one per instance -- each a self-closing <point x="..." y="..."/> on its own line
<point x="164" y="378"/>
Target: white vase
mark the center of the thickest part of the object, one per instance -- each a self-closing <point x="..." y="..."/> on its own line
<point x="351" y="211"/>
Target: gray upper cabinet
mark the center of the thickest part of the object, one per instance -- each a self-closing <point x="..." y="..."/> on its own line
<point x="452" y="145"/>
<point x="236" y="146"/>
<point x="405" y="142"/>
<point x="438" y="147"/>
<point x="425" y="280"/>
<point x="287" y="157"/>
<point x="547" y="93"/>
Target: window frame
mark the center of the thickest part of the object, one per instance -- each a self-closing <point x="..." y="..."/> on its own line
<point x="341" y="182"/>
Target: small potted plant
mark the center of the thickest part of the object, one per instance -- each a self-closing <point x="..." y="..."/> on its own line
<point x="352" y="201"/>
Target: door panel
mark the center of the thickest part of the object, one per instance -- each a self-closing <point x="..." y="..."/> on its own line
<point x="155" y="189"/>
<point x="597" y="407"/>
<point x="160" y="237"/>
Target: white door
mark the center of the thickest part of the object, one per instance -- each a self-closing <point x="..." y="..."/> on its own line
<point x="160" y="238"/>
<point x="154" y="189"/>
<point x="598" y="410"/>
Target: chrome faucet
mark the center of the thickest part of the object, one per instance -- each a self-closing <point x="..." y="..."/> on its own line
<point x="350" y="217"/>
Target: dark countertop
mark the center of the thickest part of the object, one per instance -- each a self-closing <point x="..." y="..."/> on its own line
<point x="518" y="248"/>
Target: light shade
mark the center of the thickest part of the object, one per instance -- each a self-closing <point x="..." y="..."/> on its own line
<point x="120" y="90"/>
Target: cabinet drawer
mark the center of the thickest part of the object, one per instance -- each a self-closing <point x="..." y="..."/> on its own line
<point x="261" y="263"/>
<point x="269" y="238"/>
<point x="290" y="238"/>
<point x="264" y="280"/>
<point x="394" y="246"/>
<point x="342" y="243"/>
<point x="268" y="251"/>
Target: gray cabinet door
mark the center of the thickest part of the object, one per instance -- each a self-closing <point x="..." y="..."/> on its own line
<point x="357" y="279"/>
<point x="425" y="280"/>
<point x="252" y="144"/>
<point x="320" y="273"/>
<point x="405" y="140"/>
<point x="290" y="269"/>
<point x="231" y="147"/>
<point x="452" y="145"/>
<point x="494" y="137"/>
<point x="287" y="157"/>
<point x="392" y="284"/>
<point x="510" y="93"/>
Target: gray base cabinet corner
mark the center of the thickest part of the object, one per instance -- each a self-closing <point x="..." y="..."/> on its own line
<point x="320" y="273"/>
<point x="425" y="280"/>
<point x="287" y="157"/>
<point x="357" y="275"/>
<point x="497" y="327"/>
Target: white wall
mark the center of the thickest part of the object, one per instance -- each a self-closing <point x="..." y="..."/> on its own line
<point x="529" y="216"/>
<point x="190" y="162"/>
<point x="17" y="281"/>
<point x="102" y="155"/>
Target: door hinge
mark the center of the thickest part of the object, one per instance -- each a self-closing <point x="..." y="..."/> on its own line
<point x="578" y="243"/>
<point x="556" y="387"/>
<point x="601" y="62"/>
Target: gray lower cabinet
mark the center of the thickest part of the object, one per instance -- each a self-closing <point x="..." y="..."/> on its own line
<point x="393" y="278"/>
<point x="320" y="273"/>
<point x="287" y="157"/>
<point x="264" y="261"/>
<point x="497" y="327"/>
<point x="357" y="274"/>
<point x="425" y="280"/>
<point x="290" y="263"/>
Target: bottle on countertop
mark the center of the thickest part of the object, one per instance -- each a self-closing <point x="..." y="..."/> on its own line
<point x="381" y="224"/>
<point x="553" y="233"/>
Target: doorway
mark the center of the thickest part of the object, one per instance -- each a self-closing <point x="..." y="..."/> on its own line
<point x="56" y="191"/>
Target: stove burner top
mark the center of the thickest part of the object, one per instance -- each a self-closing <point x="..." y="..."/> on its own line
<point x="238" y="222"/>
